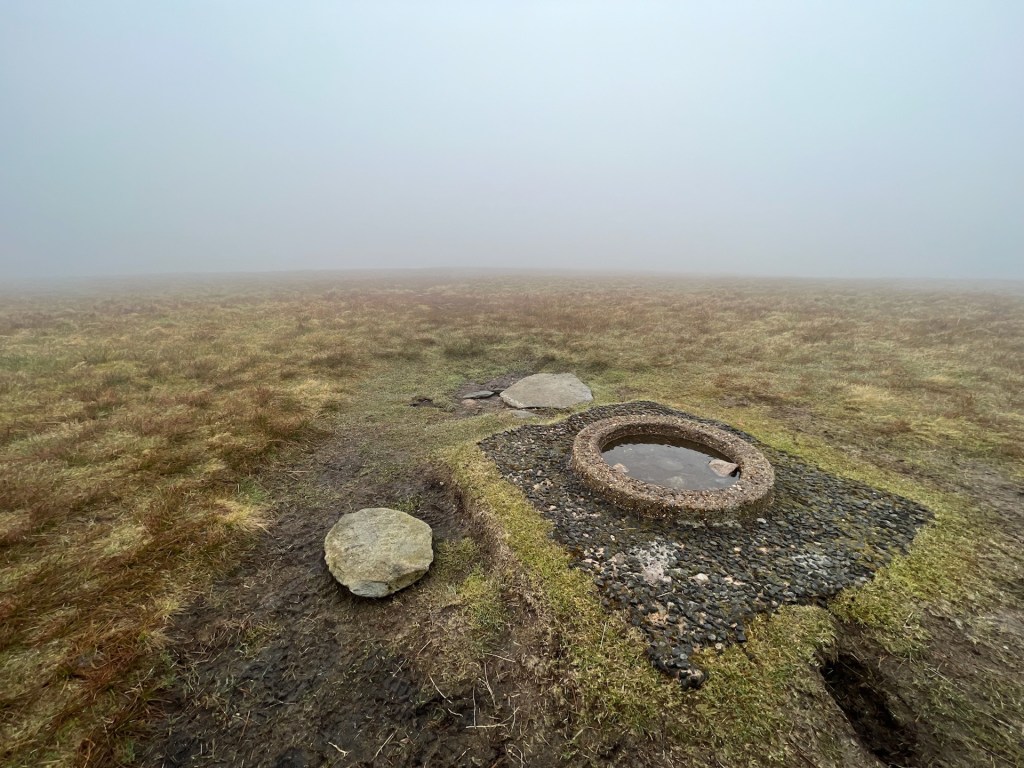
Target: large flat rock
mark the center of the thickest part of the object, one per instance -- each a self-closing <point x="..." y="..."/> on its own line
<point x="547" y="390"/>
<point x="375" y="552"/>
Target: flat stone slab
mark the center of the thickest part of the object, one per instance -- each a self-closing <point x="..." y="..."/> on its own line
<point x="378" y="551"/>
<point x="482" y="394"/>
<point x="547" y="390"/>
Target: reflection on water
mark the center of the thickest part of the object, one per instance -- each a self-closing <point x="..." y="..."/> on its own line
<point x="668" y="462"/>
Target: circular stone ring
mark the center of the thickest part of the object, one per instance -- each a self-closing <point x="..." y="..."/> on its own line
<point x="748" y="496"/>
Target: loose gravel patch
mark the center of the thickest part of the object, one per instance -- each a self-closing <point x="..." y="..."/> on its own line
<point x="688" y="585"/>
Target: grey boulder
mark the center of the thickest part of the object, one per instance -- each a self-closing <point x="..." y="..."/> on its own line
<point x="376" y="552"/>
<point x="547" y="390"/>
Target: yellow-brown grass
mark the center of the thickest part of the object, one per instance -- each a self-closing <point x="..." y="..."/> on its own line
<point x="127" y="438"/>
<point x="134" y="425"/>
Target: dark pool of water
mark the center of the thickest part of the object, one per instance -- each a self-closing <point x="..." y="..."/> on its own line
<point x="668" y="462"/>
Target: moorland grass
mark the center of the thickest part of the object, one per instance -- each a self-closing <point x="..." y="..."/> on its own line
<point x="135" y="426"/>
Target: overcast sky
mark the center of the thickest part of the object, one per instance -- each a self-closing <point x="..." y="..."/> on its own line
<point x="786" y="138"/>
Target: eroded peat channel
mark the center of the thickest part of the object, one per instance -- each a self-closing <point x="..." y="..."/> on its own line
<point x="692" y="586"/>
<point x="856" y="686"/>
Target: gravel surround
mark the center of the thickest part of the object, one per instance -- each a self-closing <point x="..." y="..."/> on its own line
<point x="688" y="585"/>
<point x="748" y="497"/>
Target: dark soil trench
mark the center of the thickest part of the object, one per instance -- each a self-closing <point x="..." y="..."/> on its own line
<point x="858" y="690"/>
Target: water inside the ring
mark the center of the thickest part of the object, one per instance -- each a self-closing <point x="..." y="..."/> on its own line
<point x="668" y="462"/>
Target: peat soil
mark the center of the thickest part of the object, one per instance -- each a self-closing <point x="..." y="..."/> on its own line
<point x="280" y="666"/>
<point x="883" y="721"/>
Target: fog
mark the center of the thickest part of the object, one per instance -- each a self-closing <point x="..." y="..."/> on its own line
<point x="867" y="139"/>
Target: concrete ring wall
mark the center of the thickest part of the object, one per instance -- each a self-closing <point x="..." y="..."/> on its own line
<point x="748" y="497"/>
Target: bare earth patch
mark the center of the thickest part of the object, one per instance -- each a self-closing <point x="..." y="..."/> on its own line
<point x="281" y="666"/>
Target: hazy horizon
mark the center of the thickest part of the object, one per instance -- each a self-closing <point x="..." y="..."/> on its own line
<point x="793" y="140"/>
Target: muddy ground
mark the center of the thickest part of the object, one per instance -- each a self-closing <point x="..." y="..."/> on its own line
<point x="281" y="667"/>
